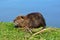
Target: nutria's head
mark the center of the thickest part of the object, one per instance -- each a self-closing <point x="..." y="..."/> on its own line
<point x="18" y="21"/>
<point x="21" y="21"/>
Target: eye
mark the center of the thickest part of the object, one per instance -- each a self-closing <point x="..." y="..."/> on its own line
<point x="22" y="17"/>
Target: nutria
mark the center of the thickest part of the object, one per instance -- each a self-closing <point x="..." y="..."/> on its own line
<point x="32" y="20"/>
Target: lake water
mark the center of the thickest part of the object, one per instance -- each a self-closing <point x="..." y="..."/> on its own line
<point x="50" y="9"/>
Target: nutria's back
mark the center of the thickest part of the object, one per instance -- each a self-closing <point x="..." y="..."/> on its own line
<point x="36" y="19"/>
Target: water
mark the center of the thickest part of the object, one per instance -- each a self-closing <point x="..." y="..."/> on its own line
<point x="50" y="9"/>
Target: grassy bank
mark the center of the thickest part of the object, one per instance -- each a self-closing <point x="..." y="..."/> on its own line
<point x="8" y="32"/>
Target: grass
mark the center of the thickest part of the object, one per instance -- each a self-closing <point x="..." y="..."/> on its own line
<point x="8" y="32"/>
